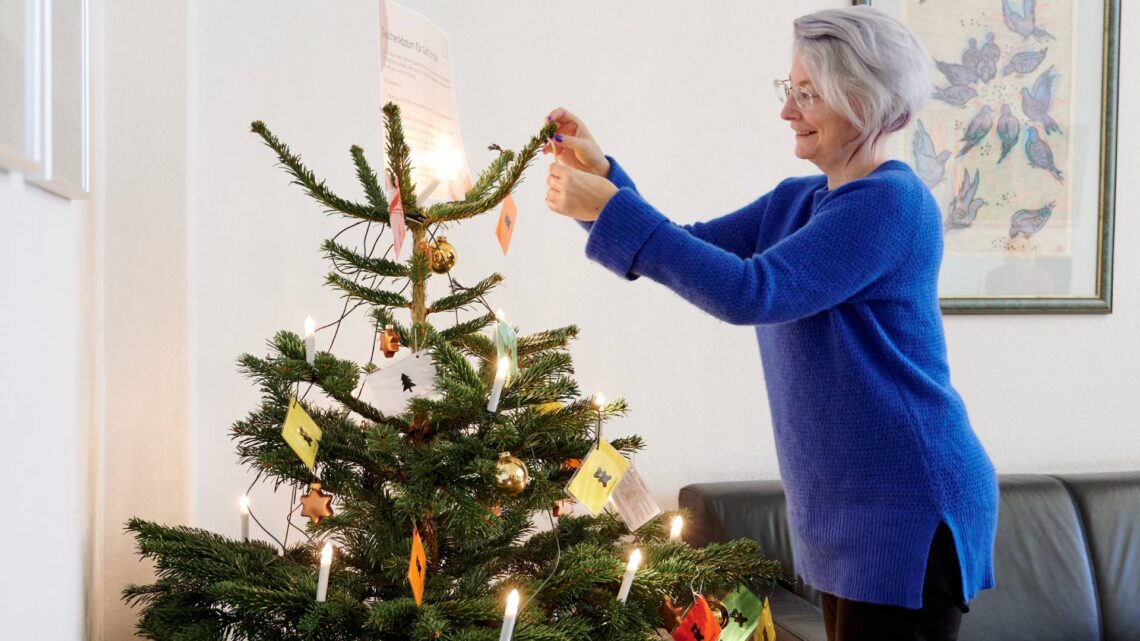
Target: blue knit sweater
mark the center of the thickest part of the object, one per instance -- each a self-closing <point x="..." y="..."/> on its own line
<point x="874" y="444"/>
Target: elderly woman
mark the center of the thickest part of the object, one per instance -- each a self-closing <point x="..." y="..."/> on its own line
<point x="891" y="497"/>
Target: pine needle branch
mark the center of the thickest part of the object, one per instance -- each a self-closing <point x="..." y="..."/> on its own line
<point x="366" y="294"/>
<point x="465" y="296"/>
<point x="316" y="189"/>
<point x="356" y="263"/>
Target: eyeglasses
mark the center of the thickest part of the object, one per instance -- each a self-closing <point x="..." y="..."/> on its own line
<point x="804" y="98"/>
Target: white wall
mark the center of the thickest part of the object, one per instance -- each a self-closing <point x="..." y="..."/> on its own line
<point x="139" y="208"/>
<point x="681" y="97"/>
<point x="45" y="402"/>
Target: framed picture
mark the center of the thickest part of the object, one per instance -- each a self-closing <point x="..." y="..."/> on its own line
<point x="65" y="115"/>
<point x="1018" y="146"/>
<point x="20" y="73"/>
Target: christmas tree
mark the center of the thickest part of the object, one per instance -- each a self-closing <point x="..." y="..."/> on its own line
<point x="436" y="504"/>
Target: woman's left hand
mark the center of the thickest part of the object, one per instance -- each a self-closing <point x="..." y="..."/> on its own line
<point x="577" y="194"/>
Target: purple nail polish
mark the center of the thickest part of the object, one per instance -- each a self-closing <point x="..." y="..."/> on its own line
<point x="548" y="118"/>
<point x="558" y="137"/>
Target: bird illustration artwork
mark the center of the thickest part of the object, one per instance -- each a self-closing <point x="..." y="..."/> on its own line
<point x="990" y="53"/>
<point x="979" y="126"/>
<point x="1035" y="103"/>
<point x="1040" y="154"/>
<point x="971" y="56"/>
<point x="1024" y="62"/>
<point x="1027" y="222"/>
<point x="929" y="165"/>
<point x="1024" y="22"/>
<point x="965" y="205"/>
<point x="956" y="95"/>
<point x="1008" y="130"/>
<point x="957" y="74"/>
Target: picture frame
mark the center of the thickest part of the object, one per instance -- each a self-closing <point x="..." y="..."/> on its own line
<point x="1018" y="146"/>
<point x="64" y="119"/>
<point x="20" y="77"/>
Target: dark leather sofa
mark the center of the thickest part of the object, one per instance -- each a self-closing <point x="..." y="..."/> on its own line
<point x="1066" y="559"/>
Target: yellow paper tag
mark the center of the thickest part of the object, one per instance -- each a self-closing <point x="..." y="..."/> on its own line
<point x="301" y="433"/>
<point x="766" y="631"/>
<point x="417" y="567"/>
<point x="598" y="476"/>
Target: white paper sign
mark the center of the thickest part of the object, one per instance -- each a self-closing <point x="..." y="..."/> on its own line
<point x="416" y="74"/>
<point x="633" y="500"/>
<point x="401" y="380"/>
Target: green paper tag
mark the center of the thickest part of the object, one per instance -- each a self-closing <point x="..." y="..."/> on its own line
<point x="506" y="344"/>
<point x="743" y="614"/>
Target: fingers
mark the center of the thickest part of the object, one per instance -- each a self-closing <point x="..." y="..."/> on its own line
<point x="567" y="122"/>
<point x="573" y="142"/>
<point x="561" y="116"/>
<point x="559" y="171"/>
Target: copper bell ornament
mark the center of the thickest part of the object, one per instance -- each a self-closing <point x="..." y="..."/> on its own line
<point x="442" y="256"/>
<point x="389" y="342"/>
<point x="562" y="508"/>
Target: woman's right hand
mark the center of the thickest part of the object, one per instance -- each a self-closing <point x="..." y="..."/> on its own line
<point x="576" y="146"/>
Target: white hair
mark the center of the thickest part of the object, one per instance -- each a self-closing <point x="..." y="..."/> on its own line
<point x="866" y="65"/>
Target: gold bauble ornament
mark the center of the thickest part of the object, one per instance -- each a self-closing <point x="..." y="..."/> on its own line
<point x="511" y="476"/>
<point x="442" y="255"/>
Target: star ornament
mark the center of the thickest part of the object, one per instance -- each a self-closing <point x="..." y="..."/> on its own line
<point x="316" y="504"/>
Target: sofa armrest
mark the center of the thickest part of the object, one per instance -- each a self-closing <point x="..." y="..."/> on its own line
<point x="796" y="619"/>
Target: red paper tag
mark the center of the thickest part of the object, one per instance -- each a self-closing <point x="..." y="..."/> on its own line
<point x="396" y="220"/>
<point x="507" y="220"/>
<point x="699" y="624"/>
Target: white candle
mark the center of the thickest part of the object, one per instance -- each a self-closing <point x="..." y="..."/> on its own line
<point x="630" y="570"/>
<point x="310" y="339"/>
<point x="675" y="531"/>
<point x="243" y="506"/>
<point x="509" y="616"/>
<point x="323" y="581"/>
<point x="497" y="389"/>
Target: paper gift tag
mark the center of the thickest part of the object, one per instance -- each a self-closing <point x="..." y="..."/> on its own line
<point x="417" y="567"/>
<point x="396" y="220"/>
<point x="598" y="477"/>
<point x="506" y="344"/>
<point x="767" y="629"/>
<point x="301" y="433"/>
<point x="397" y="382"/>
<point x="633" y="500"/>
<point x="744" y="610"/>
<point x="506" y="227"/>
<point x="699" y="624"/>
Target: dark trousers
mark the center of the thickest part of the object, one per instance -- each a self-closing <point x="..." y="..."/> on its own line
<point x="938" y="620"/>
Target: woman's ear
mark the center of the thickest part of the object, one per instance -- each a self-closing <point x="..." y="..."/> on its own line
<point x="900" y="122"/>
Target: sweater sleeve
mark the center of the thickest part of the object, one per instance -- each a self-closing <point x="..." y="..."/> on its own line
<point x="619" y="178"/>
<point x="735" y="232"/>
<point x="858" y="233"/>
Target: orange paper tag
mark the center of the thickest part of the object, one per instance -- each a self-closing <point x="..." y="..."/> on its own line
<point x="506" y="226"/>
<point x="699" y="624"/>
<point x="417" y="567"/>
